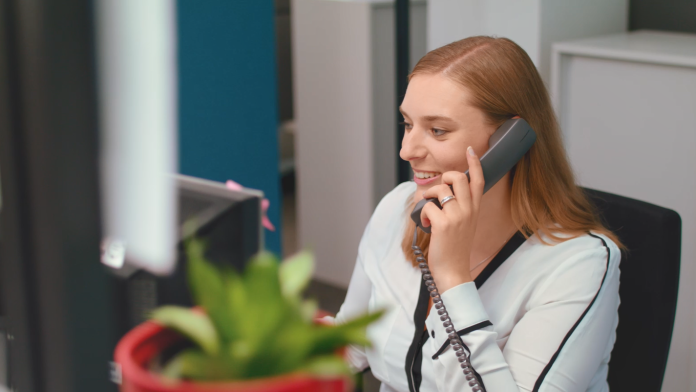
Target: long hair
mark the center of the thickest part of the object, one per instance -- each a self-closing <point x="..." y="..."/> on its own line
<point x="503" y="82"/>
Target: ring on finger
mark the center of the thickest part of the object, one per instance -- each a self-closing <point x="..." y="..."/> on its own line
<point x="446" y="199"/>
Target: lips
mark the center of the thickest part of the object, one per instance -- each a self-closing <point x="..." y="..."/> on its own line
<point x="425" y="181"/>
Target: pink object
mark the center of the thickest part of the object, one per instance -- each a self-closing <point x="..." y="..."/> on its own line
<point x="144" y="342"/>
<point x="264" y="205"/>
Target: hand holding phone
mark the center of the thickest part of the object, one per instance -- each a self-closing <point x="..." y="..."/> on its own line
<point x="506" y="147"/>
<point x="454" y="226"/>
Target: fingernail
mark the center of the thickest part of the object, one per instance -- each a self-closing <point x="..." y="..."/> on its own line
<point x="471" y="151"/>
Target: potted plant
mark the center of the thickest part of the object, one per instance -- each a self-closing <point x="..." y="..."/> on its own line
<point x="250" y="331"/>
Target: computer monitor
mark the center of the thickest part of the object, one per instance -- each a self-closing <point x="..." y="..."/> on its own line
<point x="229" y="222"/>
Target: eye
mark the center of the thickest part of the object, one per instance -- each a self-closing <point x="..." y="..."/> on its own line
<point x="406" y="125"/>
<point x="438" y="132"/>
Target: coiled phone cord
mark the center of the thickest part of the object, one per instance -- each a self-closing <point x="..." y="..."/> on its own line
<point x="454" y="339"/>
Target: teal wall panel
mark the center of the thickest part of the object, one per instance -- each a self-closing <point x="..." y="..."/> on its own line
<point x="228" y="97"/>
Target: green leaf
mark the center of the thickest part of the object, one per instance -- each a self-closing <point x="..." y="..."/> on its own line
<point x="266" y="305"/>
<point x="286" y="350"/>
<point x="207" y="288"/>
<point x="241" y="351"/>
<point x="308" y="309"/>
<point x="298" y="342"/>
<point x="329" y="338"/>
<point x="196" y="365"/>
<point x="195" y="326"/>
<point x="237" y="305"/>
<point x="256" y="323"/>
<point x="327" y="366"/>
<point x="295" y="274"/>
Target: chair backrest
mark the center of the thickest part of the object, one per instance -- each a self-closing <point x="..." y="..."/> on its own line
<point x="648" y="290"/>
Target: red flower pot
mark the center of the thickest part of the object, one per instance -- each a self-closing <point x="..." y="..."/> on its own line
<point x="144" y="342"/>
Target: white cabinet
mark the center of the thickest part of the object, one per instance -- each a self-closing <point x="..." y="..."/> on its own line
<point x="627" y="106"/>
<point x="345" y="114"/>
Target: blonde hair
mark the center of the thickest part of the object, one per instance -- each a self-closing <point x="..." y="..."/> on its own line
<point x="503" y="82"/>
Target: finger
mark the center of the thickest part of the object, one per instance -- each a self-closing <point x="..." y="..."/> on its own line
<point x="476" y="181"/>
<point x="438" y="192"/>
<point x="460" y="184"/>
<point x="432" y="216"/>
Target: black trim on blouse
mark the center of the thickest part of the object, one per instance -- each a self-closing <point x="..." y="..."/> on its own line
<point x="414" y="357"/>
<point x="482" y="324"/>
<point x="508" y="249"/>
<point x="546" y="370"/>
<point x="415" y="350"/>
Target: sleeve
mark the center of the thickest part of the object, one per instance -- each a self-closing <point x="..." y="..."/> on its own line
<point x="355" y="305"/>
<point x="558" y="344"/>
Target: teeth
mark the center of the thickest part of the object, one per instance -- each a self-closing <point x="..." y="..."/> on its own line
<point x="426" y="175"/>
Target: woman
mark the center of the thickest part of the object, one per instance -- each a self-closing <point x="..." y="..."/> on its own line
<point x="528" y="274"/>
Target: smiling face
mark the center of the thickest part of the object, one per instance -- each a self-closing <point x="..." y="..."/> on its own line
<point x="440" y="125"/>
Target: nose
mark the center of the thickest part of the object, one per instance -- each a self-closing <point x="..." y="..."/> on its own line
<point x="411" y="146"/>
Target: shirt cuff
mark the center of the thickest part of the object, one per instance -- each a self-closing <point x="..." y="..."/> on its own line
<point x="465" y="309"/>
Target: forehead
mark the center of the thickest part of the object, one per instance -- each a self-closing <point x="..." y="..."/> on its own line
<point x="434" y="94"/>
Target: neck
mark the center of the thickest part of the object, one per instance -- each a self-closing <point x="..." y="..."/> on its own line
<point x="495" y="224"/>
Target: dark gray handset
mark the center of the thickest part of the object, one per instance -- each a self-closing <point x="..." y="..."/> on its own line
<point x="506" y="147"/>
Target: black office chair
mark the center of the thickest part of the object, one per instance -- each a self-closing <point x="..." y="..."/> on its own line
<point x="648" y="290"/>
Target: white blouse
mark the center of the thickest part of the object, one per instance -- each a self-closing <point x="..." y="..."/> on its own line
<point x="537" y="318"/>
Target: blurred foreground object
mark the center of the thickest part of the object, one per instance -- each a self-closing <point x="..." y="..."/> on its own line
<point x="230" y="223"/>
<point x="138" y="96"/>
<point x="250" y="326"/>
<point x="56" y="298"/>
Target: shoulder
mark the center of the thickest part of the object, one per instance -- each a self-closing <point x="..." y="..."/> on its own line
<point x="399" y="195"/>
<point x="595" y="246"/>
<point x="388" y="219"/>
<point x="393" y="204"/>
<point x="581" y="265"/>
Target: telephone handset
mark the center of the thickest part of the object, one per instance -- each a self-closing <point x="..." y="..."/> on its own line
<point x="506" y="147"/>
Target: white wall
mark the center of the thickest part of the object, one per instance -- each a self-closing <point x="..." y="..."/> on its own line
<point x="532" y="24"/>
<point x="452" y="20"/>
<point x="345" y="111"/>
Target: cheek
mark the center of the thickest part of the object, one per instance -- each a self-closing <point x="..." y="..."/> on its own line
<point x="454" y="160"/>
<point x="481" y="148"/>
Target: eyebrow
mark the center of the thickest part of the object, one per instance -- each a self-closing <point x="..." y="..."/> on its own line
<point x="437" y="118"/>
<point x="430" y="118"/>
